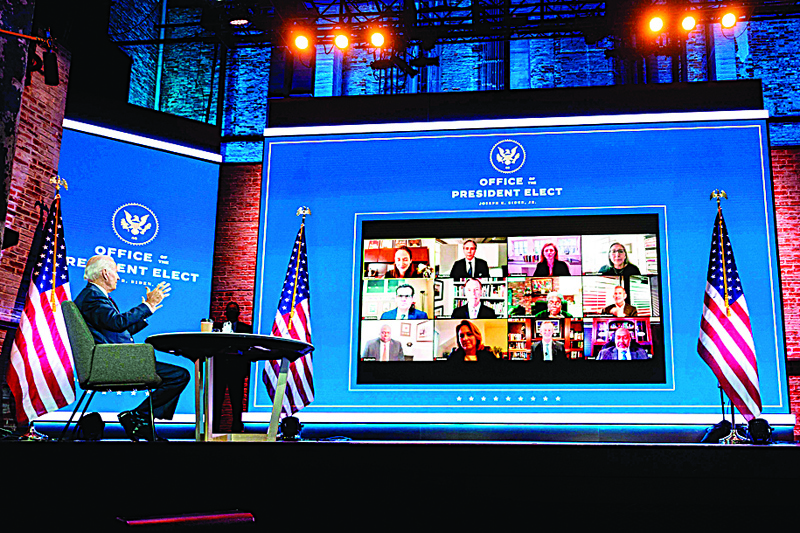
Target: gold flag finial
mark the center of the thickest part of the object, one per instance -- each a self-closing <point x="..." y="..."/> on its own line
<point x="718" y="195"/>
<point x="59" y="182"/>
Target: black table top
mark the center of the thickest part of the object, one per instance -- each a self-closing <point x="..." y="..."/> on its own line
<point x="196" y="345"/>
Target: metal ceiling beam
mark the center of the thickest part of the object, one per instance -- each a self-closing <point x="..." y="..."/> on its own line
<point x="439" y="21"/>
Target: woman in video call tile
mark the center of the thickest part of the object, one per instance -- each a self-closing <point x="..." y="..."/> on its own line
<point x="618" y="264"/>
<point x="470" y="345"/>
<point x="549" y="265"/>
<point x="403" y="265"/>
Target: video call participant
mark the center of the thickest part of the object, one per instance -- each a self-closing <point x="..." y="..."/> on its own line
<point x="384" y="348"/>
<point x="553" y="308"/>
<point x="109" y="326"/>
<point x="622" y="350"/>
<point x="403" y="265"/>
<point x="618" y="264"/>
<point x="470" y="345"/>
<point x="470" y="266"/>
<point x="548" y="349"/>
<point x="473" y="308"/>
<point x="549" y="264"/>
<point x="405" y="310"/>
<point x="619" y="308"/>
<point x="230" y="371"/>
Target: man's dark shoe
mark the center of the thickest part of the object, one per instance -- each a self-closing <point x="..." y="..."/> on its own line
<point x="131" y="423"/>
<point x="146" y="431"/>
<point x="137" y="427"/>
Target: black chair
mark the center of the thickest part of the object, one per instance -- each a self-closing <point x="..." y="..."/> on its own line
<point x="107" y="367"/>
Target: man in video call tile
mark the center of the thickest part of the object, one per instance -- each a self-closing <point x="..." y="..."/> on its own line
<point x="553" y="308"/>
<point x="474" y="308"/>
<point x="384" y="348"/>
<point x="470" y="266"/>
<point x="405" y="310"/>
<point x="548" y="349"/>
<point x="619" y="307"/>
<point x="622" y="351"/>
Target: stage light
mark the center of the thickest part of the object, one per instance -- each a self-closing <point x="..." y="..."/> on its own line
<point x="341" y="41"/>
<point x="760" y="431"/>
<point x="290" y="428"/>
<point x="688" y="23"/>
<point x="656" y="24"/>
<point x="377" y="38"/>
<point x="729" y="20"/>
<point x="301" y="42"/>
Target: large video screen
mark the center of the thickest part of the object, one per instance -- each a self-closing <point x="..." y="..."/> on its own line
<point x="542" y="300"/>
<point x="517" y="269"/>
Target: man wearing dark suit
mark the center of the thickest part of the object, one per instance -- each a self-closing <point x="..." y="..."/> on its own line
<point x="230" y="371"/>
<point x="384" y="348"/>
<point x="405" y="310"/>
<point x="622" y="351"/>
<point x="548" y="349"/>
<point x="109" y="326"/>
<point x="473" y="290"/>
<point x="470" y="266"/>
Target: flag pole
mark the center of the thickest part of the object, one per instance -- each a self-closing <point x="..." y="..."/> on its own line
<point x="58" y="181"/>
<point x="718" y="195"/>
<point x="280" y="389"/>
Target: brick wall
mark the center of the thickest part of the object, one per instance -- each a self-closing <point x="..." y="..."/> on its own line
<point x="786" y="176"/>
<point x="36" y="156"/>
<point x="236" y="239"/>
<point x="235" y="249"/>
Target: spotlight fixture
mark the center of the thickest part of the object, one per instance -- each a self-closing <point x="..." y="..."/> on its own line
<point x="688" y="23"/>
<point x="290" y="428"/>
<point x="377" y="38"/>
<point x="729" y="20"/>
<point x="760" y="431"/>
<point x="239" y="22"/>
<point x="301" y="42"/>
<point x="48" y="65"/>
<point x="341" y="41"/>
<point x="656" y="24"/>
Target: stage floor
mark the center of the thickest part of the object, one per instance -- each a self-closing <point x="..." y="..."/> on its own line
<point x="288" y="484"/>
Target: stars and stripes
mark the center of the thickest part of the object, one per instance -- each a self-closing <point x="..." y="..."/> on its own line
<point x="40" y="369"/>
<point x="293" y="321"/>
<point x="726" y="339"/>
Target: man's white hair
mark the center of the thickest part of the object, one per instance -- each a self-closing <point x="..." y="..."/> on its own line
<point x="95" y="266"/>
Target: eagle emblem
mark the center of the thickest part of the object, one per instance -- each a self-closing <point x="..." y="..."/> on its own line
<point x="136" y="224"/>
<point x="507" y="156"/>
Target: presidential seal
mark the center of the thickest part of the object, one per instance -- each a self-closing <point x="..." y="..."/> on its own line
<point x="507" y="156"/>
<point x="135" y="224"/>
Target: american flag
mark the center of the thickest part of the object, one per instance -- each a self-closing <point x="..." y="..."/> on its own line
<point x="726" y="340"/>
<point x="293" y="321"/>
<point x="40" y="370"/>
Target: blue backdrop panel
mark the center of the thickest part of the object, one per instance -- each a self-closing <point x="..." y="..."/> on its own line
<point x="154" y="212"/>
<point x="664" y="169"/>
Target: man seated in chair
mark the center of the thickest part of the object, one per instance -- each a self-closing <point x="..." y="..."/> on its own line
<point x="109" y="326"/>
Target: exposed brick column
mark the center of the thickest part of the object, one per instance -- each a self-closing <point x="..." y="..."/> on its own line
<point x="235" y="248"/>
<point x="36" y="156"/>
<point x="786" y="177"/>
